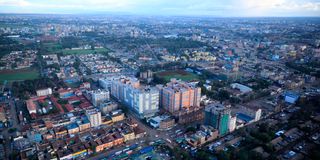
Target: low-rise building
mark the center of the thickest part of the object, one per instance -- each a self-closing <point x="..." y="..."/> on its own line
<point x="31" y="106"/>
<point x="205" y="134"/>
<point x="162" y="122"/>
<point x="107" y="107"/>
<point x="83" y="124"/>
<point x="117" y="115"/>
<point x="73" y="128"/>
<point x="291" y="97"/>
<point x="60" y="131"/>
<point x="242" y="88"/>
<point x="44" y="92"/>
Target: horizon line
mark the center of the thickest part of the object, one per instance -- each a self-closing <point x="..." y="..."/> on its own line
<point x="168" y="15"/>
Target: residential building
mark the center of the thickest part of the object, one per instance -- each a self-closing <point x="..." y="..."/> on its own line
<point x="83" y="124"/>
<point x="73" y="128"/>
<point x="178" y="95"/>
<point x="94" y="116"/>
<point x="31" y="106"/>
<point x="107" y="107"/>
<point x="146" y="74"/>
<point x="144" y="100"/>
<point x="117" y="115"/>
<point x="99" y="96"/>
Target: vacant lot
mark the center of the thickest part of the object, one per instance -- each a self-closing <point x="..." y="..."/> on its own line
<point x="84" y="51"/>
<point x="17" y="75"/>
<point x="178" y="74"/>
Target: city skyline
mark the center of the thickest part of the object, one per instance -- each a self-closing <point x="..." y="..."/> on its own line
<point x="229" y="8"/>
<point x="159" y="79"/>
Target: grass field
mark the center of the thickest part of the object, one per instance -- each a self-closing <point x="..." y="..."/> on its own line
<point x="178" y="74"/>
<point x="52" y="47"/>
<point x="84" y="51"/>
<point x="17" y="75"/>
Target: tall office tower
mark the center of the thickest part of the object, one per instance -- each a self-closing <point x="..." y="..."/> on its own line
<point x="94" y="116"/>
<point x="217" y="115"/>
<point x="178" y="95"/>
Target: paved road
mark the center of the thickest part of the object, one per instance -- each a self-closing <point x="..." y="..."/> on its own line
<point x="152" y="135"/>
<point x="15" y="124"/>
<point x="118" y="148"/>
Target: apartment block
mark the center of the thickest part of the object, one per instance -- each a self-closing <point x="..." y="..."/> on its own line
<point x="144" y="100"/>
<point x="178" y="95"/>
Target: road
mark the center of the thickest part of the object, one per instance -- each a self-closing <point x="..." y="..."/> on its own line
<point x="15" y="124"/>
<point x="104" y="75"/>
<point x="152" y="135"/>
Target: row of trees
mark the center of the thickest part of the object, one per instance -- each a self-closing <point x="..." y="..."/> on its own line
<point x="308" y="68"/>
<point x="23" y="89"/>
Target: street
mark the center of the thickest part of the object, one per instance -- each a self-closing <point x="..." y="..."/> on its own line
<point x="15" y="124"/>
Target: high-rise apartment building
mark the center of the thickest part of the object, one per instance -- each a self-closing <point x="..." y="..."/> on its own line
<point x="141" y="99"/>
<point x="178" y="95"/>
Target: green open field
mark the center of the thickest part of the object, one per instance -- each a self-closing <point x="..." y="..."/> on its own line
<point x="84" y="51"/>
<point x="52" y="47"/>
<point x="178" y="74"/>
<point x="17" y="75"/>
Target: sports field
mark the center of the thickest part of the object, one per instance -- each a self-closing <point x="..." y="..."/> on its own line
<point x="178" y="74"/>
<point x="84" y="51"/>
<point x="17" y="75"/>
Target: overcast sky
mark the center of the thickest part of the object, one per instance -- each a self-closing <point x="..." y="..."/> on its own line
<point x="233" y="8"/>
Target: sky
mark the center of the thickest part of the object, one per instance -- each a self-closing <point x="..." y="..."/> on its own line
<point x="224" y="8"/>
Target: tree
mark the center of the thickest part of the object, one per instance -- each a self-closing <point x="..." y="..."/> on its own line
<point x="223" y="95"/>
<point x="202" y="155"/>
<point x="45" y="104"/>
<point x="180" y="154"/>
<point x="224" y="155"/>
<point x="14" y="65"/>
<point x="191" y="129"/>
<point x="62" y="101"/>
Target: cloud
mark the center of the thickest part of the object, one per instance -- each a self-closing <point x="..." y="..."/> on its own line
<point x="184" y="7"/>
<point x="280" y="7"/>
<point x="14" y="3"/>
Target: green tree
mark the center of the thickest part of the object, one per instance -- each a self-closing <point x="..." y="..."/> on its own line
<point x="202" y="155"/>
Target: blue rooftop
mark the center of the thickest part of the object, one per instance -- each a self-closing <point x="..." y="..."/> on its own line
<point x="291" y="94"/>
<point x="228" y="66"/>
<point x="72" y="126"/>
<point x="85" y="120"/>
<point x="244" y="117"/>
